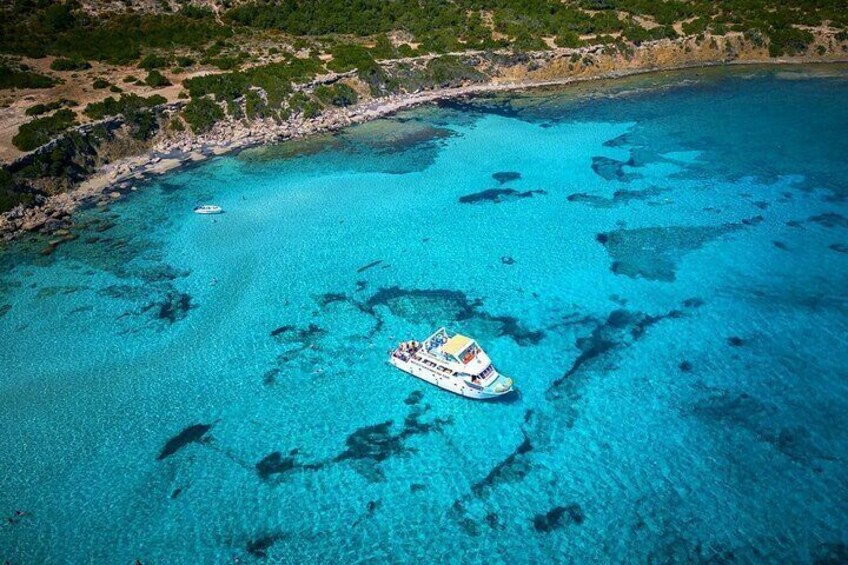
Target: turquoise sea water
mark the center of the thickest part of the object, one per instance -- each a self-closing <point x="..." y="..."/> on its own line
<point x="665" y="276"/>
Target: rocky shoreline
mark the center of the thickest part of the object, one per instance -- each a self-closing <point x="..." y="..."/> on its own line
<point x="112" y="181"/>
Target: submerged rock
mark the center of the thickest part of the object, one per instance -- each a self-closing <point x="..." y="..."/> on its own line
<point x="653" y="253"/>
<point x="504" y="177"/>
<point x="553" y="518"/>
<point x="612" y="169"/>
<point x="192" y="434"/>
<point x="259" y="547"/>
<point x="498" y="195"/>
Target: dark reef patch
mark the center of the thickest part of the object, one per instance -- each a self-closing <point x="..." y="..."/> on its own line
<point x="765" y="421"/>
<point x="416" y="487"/>
<point x="259" y="547"/>
<point x="270" y="377"/>
<point x="553" y="518"/>
<point x="161" y="273"/>
<point x="370" y="445"/>
<point x="830" y="220"/>
<point x="370" y="509"/>
<point x="513" y="468"/>
<point x="507" y="260"/>
<point x="735" y="341"/>
<point x="173" y="307"/>
<point x="621" y="329"/>
<point x="685" y="366"/>
<point x="493" y="521"/>
<point x="780" y="245"/>
<point x="482" y="105"/>
<point x="304" y="336"/>
<point x="330" y="298"/>
<point x="618" y="198"/>
<point x="448" y="305"/>
<point x="831" y="554"/>
<point x="504" y="177"/>
<point x="693" y="302"/>
<point x="498" y="195"/>
<point x="839" y="247"/>
<point x="370" y="265"/>
<point x="653" y="253"/>
<point x="613" y="169"/>
<point x="414" y="398"/>
<point x="4" y="309"/>
<point x="193" y="434"/>
<point x="620" y="141"/>
<point x="275" y="466"/>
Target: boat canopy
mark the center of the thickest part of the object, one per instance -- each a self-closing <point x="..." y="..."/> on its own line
<point x="456" y="345"/>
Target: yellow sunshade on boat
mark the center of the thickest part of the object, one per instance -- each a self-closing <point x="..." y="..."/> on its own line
<point x="456" y="344"/>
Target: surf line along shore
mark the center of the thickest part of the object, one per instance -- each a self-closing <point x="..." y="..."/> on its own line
<point x="118" y="178"/>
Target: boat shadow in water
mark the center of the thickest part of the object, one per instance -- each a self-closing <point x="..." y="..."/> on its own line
<point x="511" y="398"/>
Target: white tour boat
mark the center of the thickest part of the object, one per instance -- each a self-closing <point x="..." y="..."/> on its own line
<point x="452" y="362"/>
<point x="208" y="209"/>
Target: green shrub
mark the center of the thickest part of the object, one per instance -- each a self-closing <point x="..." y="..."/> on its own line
<point x="184" y="61"/>
<point x="113" y="38"/>
<point x="9" y="197"/>
<point x="274" y="78"/>
<point x="100" y="83"/>
<point x="10" y="78"/>
<point x="696" y="26"/>
<point x="130" y="78"/>
<point x="176" y="124"/>
<point x="347" y="57"/>
<point x="39" y="131"/>
<point x="155" y="79"/>
<point x="126" y="103"/>
<point x="152" y="61"/>
<point x="788" y="41"/>
<point x="227" y="63"/>
<point x="405" y="50"/>
<point x="65" y="64"/>
<point x="39" y="109"/>
<point x="303" y="104"/>
<point x="337" y="95"/>
<point x="201" y="114"/>
<point x="568" y="38"/>
<point x="383" y="49"/>
<point x="135" y="109"/>
<point x="718" y="28"/>
<point x="451" y="70"/>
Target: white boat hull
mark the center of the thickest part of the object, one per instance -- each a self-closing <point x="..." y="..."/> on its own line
<point x="208" y="210"/>
<point x="452" y="384"/>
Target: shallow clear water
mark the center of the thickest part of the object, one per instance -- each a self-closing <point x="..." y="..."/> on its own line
<point x="666" y="282"/>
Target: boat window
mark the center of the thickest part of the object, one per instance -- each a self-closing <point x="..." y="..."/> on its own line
<point x="470" y="353"/>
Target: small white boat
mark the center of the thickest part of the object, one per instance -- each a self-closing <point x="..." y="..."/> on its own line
<point x="208" y="209"/>
<point x="453" y="362"/>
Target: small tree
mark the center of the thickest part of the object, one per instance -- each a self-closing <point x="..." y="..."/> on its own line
<point x="155" y="79"/>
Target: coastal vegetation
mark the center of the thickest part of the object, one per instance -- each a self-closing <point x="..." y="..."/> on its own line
<point x="39" y="131"/>
<point x="66" y="64"/>
<point x="337" y="95"/>
<point x="20" y="77"/>
<point x="38" y="109"/>
<point x="284" y="59"/>
<point x="202" y="113"/>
